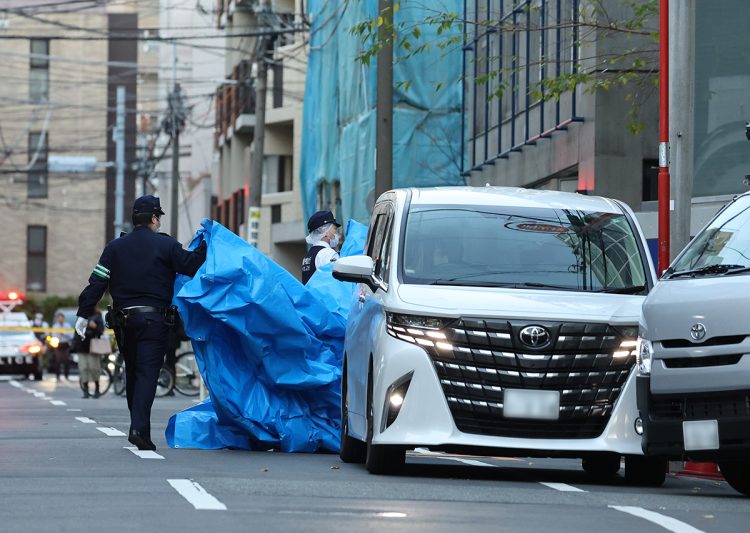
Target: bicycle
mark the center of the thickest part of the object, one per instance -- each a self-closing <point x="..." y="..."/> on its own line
<point x="164" y="385"/>
<point x="187" y="378"/>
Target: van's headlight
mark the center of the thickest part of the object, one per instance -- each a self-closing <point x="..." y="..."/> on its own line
<point x="645" y="355"/>
<point x="424" y="331"/>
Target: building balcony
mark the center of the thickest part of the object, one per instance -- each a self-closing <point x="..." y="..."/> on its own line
<point x="235" y="104"/>
<point x="226" y="8"/>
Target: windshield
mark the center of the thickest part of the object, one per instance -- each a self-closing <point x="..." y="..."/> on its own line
<point x="522" y="247"/>
<point x="725" y="241"/>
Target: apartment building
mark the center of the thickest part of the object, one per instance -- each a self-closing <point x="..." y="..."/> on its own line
<point x="57" y="91"/>
<point x="281" y="230"/>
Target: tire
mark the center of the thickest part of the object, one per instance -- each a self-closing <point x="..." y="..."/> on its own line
<point x="351" y="450"/>
<point x="601" y="467"/>
<point x="645" y="471"/>
<point x="165" y="383"/>
<point x="118" y="380"/>
<point x="737" y="474"/>
<point x="187" y="378"/>
<point x="38" y="376"/>
<point x="380" y="459"/>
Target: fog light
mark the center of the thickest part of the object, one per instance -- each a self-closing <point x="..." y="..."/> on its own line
<point x="395" y="399"/>
<point x="639" y="425"/>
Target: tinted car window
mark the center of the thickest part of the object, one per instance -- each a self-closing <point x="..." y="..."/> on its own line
<point x="519" y="247"/>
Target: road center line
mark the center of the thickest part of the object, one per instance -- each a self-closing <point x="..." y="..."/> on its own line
<point x="85" y="420"/>
<point x="196" y="495"/>
<point x="562" y="487"/>
<point x="73" y="410"/>
<point x="111" y="432"/>
<point x="144" y="454"/>
<point x="57" y="402"/>
<point x="667" y="522"/>
<point x="14" y="383"/>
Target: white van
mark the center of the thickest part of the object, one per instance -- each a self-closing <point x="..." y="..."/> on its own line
<point x="694" y="360"/>
<point x="496" y="321"/>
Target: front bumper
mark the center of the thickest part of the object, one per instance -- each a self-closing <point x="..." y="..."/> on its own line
<point x="426" y="418"/>
<point x="19" y="364"/>
<point x="663" y="415"/>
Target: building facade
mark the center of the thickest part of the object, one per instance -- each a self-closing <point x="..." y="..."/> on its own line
<point x="281" y="230"/>
<point x="58" y="78"/>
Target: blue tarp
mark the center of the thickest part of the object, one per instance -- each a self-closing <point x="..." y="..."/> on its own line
<point x="338" y="128"/>
<point x="269" y="349"/>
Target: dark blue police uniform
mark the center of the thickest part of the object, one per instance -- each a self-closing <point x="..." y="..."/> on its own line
<point x="139" y="269"/>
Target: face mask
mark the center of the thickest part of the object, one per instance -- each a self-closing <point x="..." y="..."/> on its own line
<point x="334" y="242"/>
<point x="158" y="225"/>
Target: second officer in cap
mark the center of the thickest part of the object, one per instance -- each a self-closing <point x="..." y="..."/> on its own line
<point x="323" y="238"/>
<point x="139" y="269"/>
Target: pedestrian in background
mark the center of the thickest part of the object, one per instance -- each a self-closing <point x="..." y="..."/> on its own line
<point x="139" y="269"/>
<point x="323" y="238"/>
<point x="41" y="333"/>
<point x="62" y="350"/>
<point x="89" y="364"/>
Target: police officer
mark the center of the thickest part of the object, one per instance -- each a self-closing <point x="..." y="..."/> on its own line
<point x="323" y="238"/>
<point x="139" y="270"/>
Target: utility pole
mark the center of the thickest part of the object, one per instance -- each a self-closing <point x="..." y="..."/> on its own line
<point x="682" y="113"/>
<point x="256" y="172"/>
<point x="118" y="135"/>
<point x="384" y="113"/>
<point x="175" y="104"/>
<point x="664" y="192"/>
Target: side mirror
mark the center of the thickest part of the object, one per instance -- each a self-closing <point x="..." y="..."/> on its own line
<point x="355" y="268"/>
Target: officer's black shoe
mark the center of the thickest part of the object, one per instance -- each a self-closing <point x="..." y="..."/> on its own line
<point x="141" y="441"/>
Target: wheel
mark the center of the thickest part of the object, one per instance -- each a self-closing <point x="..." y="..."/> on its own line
<point x="737" y="474"/>
<point x="38" y="375"/>
<point x="187" y="378"/>
<point x="380" y="459"/>
<point x="165" y="384"/>
<point x="118" y="380"/>
<point x="601" y="466"/>
<point x="352" y="450"/>
<point x="105" y="381"/>
<point x="645" y="471"/>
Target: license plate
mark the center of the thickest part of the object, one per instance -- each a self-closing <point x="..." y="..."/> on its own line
<point x="538" y="404"/>
<point x="701" y="435"/>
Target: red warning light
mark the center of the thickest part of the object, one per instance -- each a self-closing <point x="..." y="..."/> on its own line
<point x="12" y="295"/>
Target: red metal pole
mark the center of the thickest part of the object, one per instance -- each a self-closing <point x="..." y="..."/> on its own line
<point x="664" y="201"/>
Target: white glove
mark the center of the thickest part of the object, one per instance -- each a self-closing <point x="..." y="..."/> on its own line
<point x="81" y="324"/>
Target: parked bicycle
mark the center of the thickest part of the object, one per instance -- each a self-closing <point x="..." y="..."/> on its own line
<point x="185" y="379"/>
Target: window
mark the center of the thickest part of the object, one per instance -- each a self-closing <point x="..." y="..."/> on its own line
<point x="277" y="174"/>
<point x="39" y="70"/>
<point x="278" y="83"/>
<point x="37" y="176"/>
<point x="650" y="180"/>
<point x="36" y="258"/>
<point x="275" y="214"/>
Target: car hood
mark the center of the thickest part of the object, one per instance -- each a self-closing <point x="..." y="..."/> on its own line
<point x="674" y="306"/>
<point x="521" y="303"/>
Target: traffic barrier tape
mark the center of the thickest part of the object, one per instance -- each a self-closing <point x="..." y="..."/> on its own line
<point x="46" y="330"/>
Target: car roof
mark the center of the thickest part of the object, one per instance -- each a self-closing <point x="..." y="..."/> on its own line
<point x="513" y="196"/>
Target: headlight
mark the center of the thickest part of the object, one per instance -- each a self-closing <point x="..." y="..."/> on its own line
<point x="645" y="355"/>
<point x="421" y="330"/>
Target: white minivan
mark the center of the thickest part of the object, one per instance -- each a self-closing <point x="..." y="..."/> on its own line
<point x="496" y="320"/>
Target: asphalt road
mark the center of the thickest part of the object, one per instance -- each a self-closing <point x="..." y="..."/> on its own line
<point x="61" y="471"/>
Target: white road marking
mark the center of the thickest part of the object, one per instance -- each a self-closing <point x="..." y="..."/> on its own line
<point x="73" y="410"/>
<point x="14" y="383"/>
<point x="57" y="402"/>
<point x="384" y="514"/>
<point x="562" y="487"/>
<point x="85" y="419"/>
<point x="38" y="394"/>
<point x="667" y="522"/>
<point x="6" y="378"/>
<point x="196" y="495"/>
<point x="144" y="454"/>
<point x="111" y="432"/>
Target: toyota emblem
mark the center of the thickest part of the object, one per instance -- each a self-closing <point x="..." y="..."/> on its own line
<point x="698" y="331"/>
<point x="534" y="336"/>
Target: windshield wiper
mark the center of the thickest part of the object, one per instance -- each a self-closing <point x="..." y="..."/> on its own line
<point x="632" y="289"/>
<point x="465" y="283"/>
<point x="711" y="269"/>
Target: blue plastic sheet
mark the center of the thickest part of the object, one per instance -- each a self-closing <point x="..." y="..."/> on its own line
<point x="269" y="349"/>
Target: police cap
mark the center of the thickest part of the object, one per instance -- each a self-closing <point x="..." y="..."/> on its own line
<point x="321" y="218"/>
<point x="147" y="204"/>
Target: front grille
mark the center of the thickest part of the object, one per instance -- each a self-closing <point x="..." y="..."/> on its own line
<point x="479" y="359"/>
<point x="725" y="405"/>
<point x="699" y="362"/>
<point x="713" y="341"/>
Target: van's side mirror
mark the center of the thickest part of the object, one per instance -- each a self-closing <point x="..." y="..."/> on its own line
<point x="355" y="268"/>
